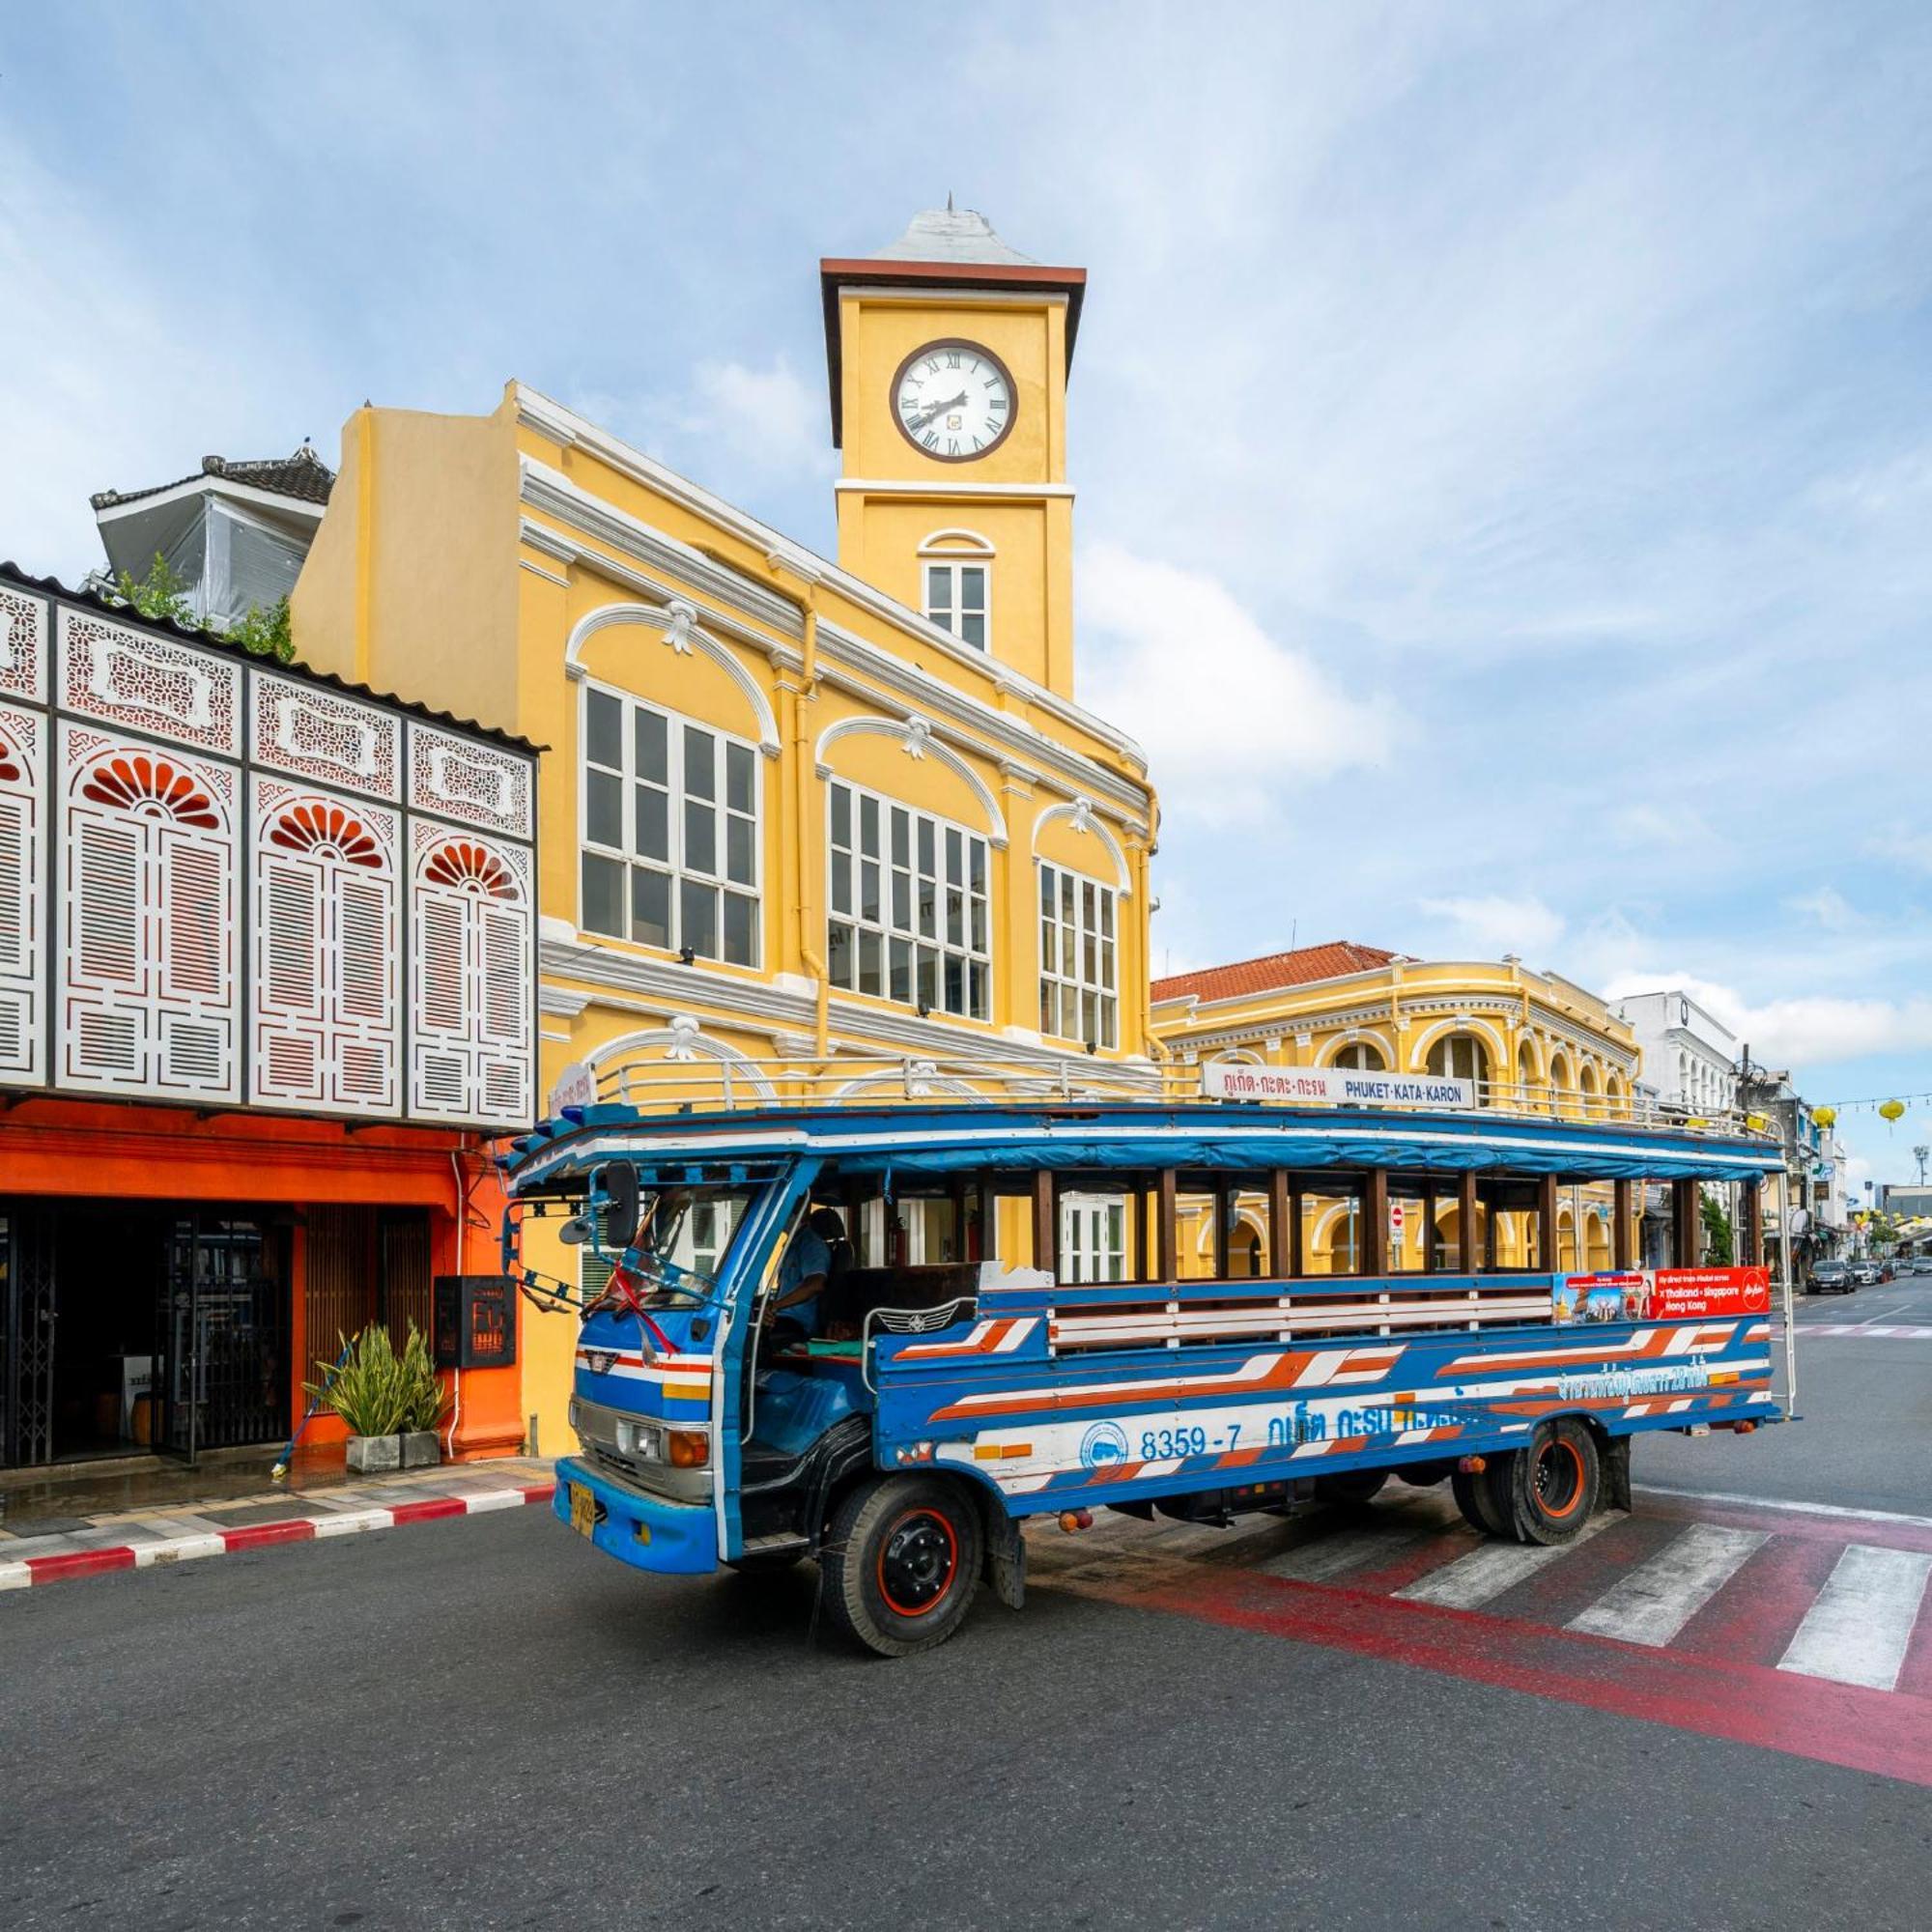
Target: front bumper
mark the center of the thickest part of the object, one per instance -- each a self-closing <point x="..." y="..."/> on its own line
<point x="646" y="1532"/>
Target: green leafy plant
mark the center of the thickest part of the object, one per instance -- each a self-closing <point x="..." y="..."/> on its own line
<point x="160" y="594"/>
<point x="1717" y="1233"/>
<point x="377" y="1392"/>
<point x="265" y="634"/>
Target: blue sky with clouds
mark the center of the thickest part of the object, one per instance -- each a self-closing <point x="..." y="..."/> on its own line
<point x="1504" y="432"/>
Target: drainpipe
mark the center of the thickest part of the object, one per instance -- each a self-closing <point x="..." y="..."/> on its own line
<point x="809" y="944"/>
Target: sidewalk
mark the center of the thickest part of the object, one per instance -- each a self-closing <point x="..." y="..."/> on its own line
<point x="49" y="1549"/>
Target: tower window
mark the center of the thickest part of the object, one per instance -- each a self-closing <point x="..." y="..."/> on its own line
<point x="955" y="600"/>
<point x="956" y="584"/>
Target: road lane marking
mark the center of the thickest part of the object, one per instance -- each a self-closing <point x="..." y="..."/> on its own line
<point x="1859" y="1628"/>
<point x="1660" y="1596"/>
<point x="1485" y="1574"/>
<point x="1784" y="1503"/>
<point x="1326" y="1556"/>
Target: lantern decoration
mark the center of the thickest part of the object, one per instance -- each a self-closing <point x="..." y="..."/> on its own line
<point x="1827" y="1117"/>
<point x="1892" y="1112"/>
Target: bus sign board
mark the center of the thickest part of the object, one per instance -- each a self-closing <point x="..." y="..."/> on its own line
<point x="1337" y="1086"/>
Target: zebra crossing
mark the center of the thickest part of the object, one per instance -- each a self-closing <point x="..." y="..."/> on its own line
<point x="1803" y="1629"/>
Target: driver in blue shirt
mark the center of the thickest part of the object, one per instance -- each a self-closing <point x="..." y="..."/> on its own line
<point x="807" y="1260"/>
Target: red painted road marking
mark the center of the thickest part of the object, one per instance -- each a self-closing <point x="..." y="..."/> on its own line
<point x="1756" y="1615"/>
<point x="1887" y="1732"/>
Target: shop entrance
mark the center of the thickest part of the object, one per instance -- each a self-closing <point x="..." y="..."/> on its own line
<point x="126" y="1327"/>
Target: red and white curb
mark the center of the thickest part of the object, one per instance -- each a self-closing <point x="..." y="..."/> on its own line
<point x="20" y="1572"/>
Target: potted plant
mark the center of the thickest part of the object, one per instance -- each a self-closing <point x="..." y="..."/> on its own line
<point x="392" y="1404"/>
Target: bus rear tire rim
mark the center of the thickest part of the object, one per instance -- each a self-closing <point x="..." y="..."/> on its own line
<point x="1558" y="1478"/>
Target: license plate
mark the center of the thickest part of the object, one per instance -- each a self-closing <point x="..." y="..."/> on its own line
<point x="583" y="1509"/>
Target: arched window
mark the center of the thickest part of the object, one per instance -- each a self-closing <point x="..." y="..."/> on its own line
<point x="1460" y="1056"/>
<point x="1559" y="1081"/>
<point x="1587" y="1079"/>
<point x="1360" y="1056"/>
<point x="956" y="575"/>
<point x="1525" y="1074"/>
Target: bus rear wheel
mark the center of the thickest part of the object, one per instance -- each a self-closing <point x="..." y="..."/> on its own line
<point x="901" y="1563"/>
<point x="1472" y="1499"/>
<point x="1548" y="1491"/>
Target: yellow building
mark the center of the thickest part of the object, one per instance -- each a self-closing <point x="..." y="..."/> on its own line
<point x="805" y="827"/>
<point x="1530" y="1041"/>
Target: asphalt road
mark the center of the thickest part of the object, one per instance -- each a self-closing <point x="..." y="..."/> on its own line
<point x="484" y="1723"/>
<point x="1864" y="1438"/>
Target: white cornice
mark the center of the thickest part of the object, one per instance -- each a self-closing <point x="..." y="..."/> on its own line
<point x="867" y="667"/>
<point x="878" y="486"/>
<point x="570" y="431"/>
<point x="639" y="982"/>
<point x="921" y="297"/>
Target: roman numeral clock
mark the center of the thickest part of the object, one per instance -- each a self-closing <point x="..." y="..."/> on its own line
<point x="954" y="399"/>
<point x="948" y="353"/>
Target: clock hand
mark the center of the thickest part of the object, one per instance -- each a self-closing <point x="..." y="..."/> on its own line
<point x="937" y="410"/>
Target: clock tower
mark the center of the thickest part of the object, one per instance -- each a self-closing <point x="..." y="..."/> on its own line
<point x="948" y="356"/>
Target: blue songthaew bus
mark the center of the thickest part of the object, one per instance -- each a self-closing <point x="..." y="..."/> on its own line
<point x="880" y="1336"/>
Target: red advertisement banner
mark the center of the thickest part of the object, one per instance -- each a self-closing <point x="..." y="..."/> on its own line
<point x="1664" y="1294"/>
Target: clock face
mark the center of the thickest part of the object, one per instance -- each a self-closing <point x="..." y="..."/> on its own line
<point x="953" y="400"/>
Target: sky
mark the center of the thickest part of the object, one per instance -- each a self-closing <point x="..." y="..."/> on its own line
<point x="1503" y="431"/>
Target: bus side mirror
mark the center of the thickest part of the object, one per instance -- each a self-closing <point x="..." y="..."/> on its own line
<point x="613" y="1193"/>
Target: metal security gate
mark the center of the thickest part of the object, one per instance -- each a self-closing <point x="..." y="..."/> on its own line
<point x="221" y="1354"/>
<point x="27" y="1327"/>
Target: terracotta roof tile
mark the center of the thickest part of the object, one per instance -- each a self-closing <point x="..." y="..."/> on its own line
<point x="1299" y="968"/>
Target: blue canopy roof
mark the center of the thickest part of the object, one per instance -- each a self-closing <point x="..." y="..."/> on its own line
<point x="911" y="1139"/>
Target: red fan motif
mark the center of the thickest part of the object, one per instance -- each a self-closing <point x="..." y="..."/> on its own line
<point x="12" y="771"/>
<point x="471" y="868"/>
<point x="136" y="781"/>
<point x="315" y="827"/>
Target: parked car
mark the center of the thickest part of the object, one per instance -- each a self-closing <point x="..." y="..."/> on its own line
<point x="1865" y="1274"/>
<point x="1919" y="1264"/>
<point x="1831" y="1278"/>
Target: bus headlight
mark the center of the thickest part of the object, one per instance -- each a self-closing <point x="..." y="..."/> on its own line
<point x="643" y="1439"/>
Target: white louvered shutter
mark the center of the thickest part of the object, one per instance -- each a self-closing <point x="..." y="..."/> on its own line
<point x="20" y="904"/>
<point x="504" y="1035"/>
<point x="109" y="1022"/>
<point x="366" y="954"/>
<point x="443" y="1002"/>
<point x="289" y="1038"/>
<point x="197" y="937"/>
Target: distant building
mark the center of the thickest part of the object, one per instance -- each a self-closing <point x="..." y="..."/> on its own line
<point x="1814" y="1167"/>
<point x="1689" y="1056"/>
<point x="234" y="534"/>
<point x="1528" y="1041"/>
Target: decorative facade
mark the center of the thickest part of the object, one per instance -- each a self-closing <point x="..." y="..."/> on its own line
<point x="810" y="827"/>
<point x="267" y="946"/>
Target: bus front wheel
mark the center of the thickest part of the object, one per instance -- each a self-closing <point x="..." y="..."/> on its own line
<point x="900" y="1562"/>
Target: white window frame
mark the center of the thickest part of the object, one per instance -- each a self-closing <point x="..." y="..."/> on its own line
<point x="887" y="933"/>
<point x="1093" y="1238"/>
<point x="1095" y="987"/>
<point x="953" y="553"/>
<point x="672" y="868"/>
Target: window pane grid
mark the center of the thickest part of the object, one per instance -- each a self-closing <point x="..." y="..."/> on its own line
<point x="956" y="600"/>
<point x="670" y="830"/>
<point x="1079" y="981"/>
<point x="910" y="919"/>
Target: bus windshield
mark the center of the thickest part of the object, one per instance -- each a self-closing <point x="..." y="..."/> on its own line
<point x="680" y="1242"/>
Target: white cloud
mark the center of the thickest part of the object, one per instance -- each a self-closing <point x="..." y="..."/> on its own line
<point x="1227" y="716"/>
<point x="1792" y="1032"/>
<point x="1908" y="848"/>
<point x="1495" y="923"/>
<point x="1828" y="906"/>
<point x="767" y="415"/>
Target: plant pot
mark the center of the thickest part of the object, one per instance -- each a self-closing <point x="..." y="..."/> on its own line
<point x="375" y="1454"/>
<point x="421" y="1449"/>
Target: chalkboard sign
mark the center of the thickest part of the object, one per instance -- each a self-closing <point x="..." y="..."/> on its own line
<point x="476" y="1322"/>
